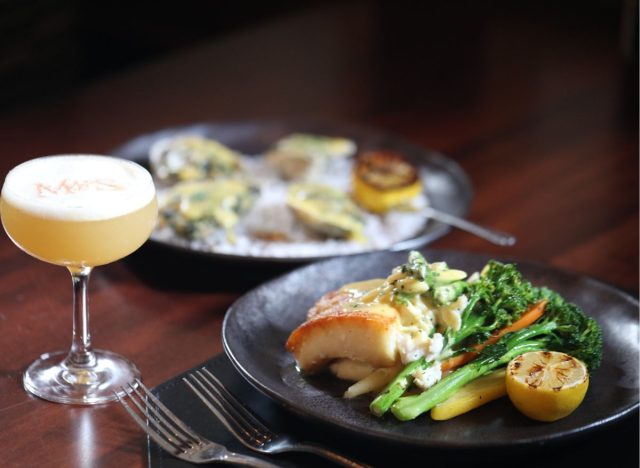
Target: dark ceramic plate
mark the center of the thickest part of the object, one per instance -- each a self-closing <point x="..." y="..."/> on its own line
<point x="257" y="325"/>
<point x="446" y="184"/>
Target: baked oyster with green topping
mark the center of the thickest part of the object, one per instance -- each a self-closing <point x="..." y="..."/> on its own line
<point x="198" y="209"/>
<point x="192" y="157"/>
<point x="327" y="211"/>
<point x="300" y="155"/>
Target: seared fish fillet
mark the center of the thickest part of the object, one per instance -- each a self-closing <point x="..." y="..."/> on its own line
<point x="339" y="329"/>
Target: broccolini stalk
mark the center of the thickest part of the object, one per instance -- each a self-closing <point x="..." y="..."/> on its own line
<point x="394" y="390"/>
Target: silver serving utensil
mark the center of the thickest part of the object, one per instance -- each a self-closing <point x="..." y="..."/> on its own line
<point x="492" y="235"/>
<point x="173" y="435"/>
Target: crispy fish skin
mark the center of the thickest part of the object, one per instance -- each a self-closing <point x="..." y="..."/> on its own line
<point x="336" y="329"/>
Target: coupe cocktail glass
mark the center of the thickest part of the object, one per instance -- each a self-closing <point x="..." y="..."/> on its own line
<point x="79" y="211"/>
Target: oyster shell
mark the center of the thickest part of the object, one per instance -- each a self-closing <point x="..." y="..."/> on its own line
<point x="326" y="210"/>
<point x="197" y="209"/>
<point x="300" y="154"/>
<point x="192" y="157"/>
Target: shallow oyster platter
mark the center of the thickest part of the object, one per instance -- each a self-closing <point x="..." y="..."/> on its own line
<point x="257" y="222"/>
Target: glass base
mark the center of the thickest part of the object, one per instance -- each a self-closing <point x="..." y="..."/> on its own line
<point x="53" y="378"/>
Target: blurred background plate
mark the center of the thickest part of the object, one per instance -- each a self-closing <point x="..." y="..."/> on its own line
<point x="446" y="185"/>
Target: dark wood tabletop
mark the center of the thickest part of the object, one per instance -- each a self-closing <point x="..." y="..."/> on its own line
<point x="539" y="107"/>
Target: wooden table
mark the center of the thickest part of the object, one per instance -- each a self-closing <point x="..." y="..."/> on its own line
<point x="539" y="108"/>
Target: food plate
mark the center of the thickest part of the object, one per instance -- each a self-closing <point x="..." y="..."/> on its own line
<point x="447" y="188"/>
<point x="257" y="325"/>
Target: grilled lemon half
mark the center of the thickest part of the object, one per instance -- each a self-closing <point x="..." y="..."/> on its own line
<point x="546" y="385"/>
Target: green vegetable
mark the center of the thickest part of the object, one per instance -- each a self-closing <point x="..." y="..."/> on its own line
<point x="397" y="386"/>
<point x="563" y="327"/>
<point x="410" y="407"/>
<point x="497" y="299"/>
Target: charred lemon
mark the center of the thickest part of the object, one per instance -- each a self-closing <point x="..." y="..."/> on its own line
<point x="546" y="385"/>
<point x="384" y="180"/>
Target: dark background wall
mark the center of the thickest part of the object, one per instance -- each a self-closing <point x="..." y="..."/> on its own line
<point x="48" y="47"/>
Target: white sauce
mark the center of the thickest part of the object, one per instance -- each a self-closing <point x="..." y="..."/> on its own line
<point x="429" y="377"/>
<point x="449" y="316"/>
<point x="412" y="346"/>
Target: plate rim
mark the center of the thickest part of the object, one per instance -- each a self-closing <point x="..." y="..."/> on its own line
<point x="424" y="237"/>
<point x="355" y="429"/>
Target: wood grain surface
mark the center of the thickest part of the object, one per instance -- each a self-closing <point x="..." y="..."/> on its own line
<point x="538" y="107"/>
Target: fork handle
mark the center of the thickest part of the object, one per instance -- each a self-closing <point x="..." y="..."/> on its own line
<point x="330" y="455"/>
<point x="247" y="460"/>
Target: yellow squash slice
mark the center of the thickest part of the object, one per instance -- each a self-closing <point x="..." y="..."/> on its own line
<point x="473" y="395"/>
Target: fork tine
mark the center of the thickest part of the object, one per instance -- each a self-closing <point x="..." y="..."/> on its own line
<point x="181" y="439"/>
<point x="164" y="416"/>
<point x="238" y="407"/>
<point x="176" y="422"/>
<point x="156" y="433"/>
<point x="225" y="418"/>
<point x="249" y="435"/>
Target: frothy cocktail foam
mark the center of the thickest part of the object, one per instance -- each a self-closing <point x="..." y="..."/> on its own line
<point x="78" y="187"/>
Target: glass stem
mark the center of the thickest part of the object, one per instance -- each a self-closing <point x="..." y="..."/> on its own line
<point x="81" y="354"/>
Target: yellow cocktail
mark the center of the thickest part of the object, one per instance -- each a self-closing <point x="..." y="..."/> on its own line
<point x="79" y="211"/>
<point x="78" y="243"/>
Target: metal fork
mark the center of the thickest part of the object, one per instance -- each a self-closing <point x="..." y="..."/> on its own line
<point x="173" y="435"/>
<point x="248" y="429"/>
